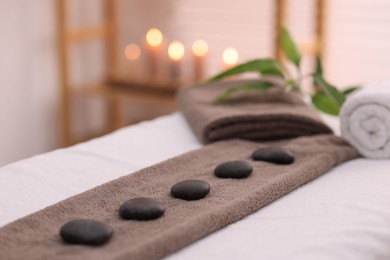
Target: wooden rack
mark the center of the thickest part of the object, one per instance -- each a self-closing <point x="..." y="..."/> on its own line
<point x="116" y="92"/>
<point x="113" y="92"/>
<point x="315" y="48"/>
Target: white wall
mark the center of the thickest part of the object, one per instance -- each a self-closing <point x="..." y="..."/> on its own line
<point x="357" y="31"/>
<point x="358" y="41"/>
<point x="28" y="78"/>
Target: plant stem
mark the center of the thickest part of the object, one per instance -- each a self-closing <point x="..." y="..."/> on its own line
<point x="288" y="74"/>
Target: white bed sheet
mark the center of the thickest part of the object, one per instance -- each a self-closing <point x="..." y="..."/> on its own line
<point x="344" y="214"/>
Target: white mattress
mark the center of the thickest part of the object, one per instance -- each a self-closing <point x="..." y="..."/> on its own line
<point x="344" y="214"/>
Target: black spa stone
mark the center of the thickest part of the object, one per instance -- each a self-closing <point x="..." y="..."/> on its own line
<point x="190" y="190"/>
<point x="141" y="209"/>
<point x="85" y="232"/>
<point x="276" y="155"/>
<point x="233" y="169"/>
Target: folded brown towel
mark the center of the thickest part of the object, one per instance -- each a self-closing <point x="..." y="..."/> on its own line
<point x="268" y="115"/>
<point x="36" y="236"/>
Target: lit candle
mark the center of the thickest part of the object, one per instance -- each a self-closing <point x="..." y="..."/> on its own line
<point x="176" y="54"/>
<point x="230" y="58"/>
<point x="132" y="53"/>
<point x="154" y="39"/>
<point x="199" y="49"/>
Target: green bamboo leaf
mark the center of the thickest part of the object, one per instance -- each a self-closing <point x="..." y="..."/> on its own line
<point x="319" y="69"/>
<point x="325" y="104"/>
<point x="289" y="47"/>
<point x="350" y="90"/>
<point x="330" y="91"/>
<point x="266" y="67"/>
<point x="251" y="86"/>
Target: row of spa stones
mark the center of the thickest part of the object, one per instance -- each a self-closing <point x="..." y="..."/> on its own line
<point x="91" y="232"/>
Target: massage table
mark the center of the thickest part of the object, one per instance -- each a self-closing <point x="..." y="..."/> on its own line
<point x="344" y="214"/>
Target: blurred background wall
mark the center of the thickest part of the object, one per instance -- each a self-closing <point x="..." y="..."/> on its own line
<point x="356" y="51"/>
<point x="28" y="79"/>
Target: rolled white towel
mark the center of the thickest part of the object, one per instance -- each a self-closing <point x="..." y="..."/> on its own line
<point x="365" y="120"/>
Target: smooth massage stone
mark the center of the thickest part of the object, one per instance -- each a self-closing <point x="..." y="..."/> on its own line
<point x="86" y="232"/>
<point x="274" y="155"/>
<point x="233" y="169"/>
<point x="141" y="209"/>
<point x="190" y="190"/>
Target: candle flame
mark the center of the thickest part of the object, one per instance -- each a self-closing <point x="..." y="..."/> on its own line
<point x="230" y="56"/>
<point x="132" y="51"/>
<point x="200" y="48"/>
<point x="154" y="37"/>
<point x="176" y="50"/>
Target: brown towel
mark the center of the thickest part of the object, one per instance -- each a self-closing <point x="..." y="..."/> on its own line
<point x="270" y="115"/>
<point x="36" y="236"/>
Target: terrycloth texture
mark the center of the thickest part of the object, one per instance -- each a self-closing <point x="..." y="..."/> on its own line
<point x="269" y="115"/>
<point x="36" y="236"/>
<point x="365" y="120"/>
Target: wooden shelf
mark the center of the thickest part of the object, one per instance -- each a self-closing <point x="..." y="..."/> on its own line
<point x="144" y="85"/>
<point x="85" y="34"/>
<point x="160" y="97"/>
<point x="124" y="94"/>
